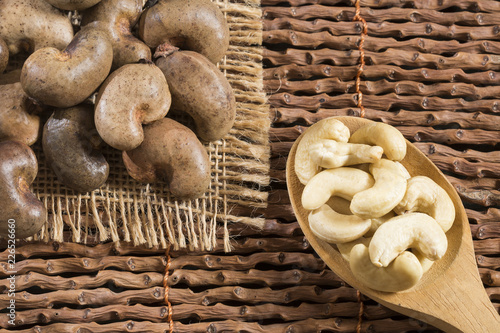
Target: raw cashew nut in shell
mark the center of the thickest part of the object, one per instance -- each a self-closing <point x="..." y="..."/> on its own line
<point x="403" y="273"/>
<point x="328" y="128"/>
<point x="425" y="196"/>
<point x="412" y="230"/>
<point x="334" y="227"/>
<point x="383" y="135"/>
<point x="343" y="182"/>
<point x="386" y="193"/>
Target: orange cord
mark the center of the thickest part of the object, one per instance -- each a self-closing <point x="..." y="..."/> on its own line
<point x="361" y="310"/>
<point x="167" y="289"/>
<point x="364" y="32"/>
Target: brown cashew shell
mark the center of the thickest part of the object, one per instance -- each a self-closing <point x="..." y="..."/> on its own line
<point x="4" y="55"/>
<point x="195" y="25"/>
<point x="133" y="95"/>
<point x="29" y="25"/>
<point x="200" y="89"/>
<point x="18" y="115"/>
<point x="71" y="146"/>
<point x="18" y="169"/>
<point x="117" y="18"/>
<point x="73" y="4"/>
<point x="171" y="152"/>
<point x="67" y="78"/>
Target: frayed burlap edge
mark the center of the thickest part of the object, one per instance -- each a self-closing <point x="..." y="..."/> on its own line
<point x="145" y="214"/>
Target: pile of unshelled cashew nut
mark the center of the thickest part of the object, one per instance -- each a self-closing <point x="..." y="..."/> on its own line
<point x="390" y="226"/>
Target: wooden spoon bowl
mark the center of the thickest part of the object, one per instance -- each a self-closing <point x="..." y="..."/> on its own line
<point x="450" y="296"/>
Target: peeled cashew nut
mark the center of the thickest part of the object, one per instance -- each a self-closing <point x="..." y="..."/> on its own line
<point x="332" y="154"/>
<point x="334" y="227"/>
<point x="386" y="193"/>
<point x="345" y="248"/>
<point x="425" y="196"/>
<point x="403" y="273"/>
<point x="412" y="230"/>
<point x="383" y="135"/>
<point x="328" y="128"/>
<point x="343" y="182"/>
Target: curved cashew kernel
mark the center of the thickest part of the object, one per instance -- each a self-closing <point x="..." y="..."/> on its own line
<point x="345" y="248"/>
<point x="404" y="172"/>
<point x="425" y="196"/>
<point x="412" y="230"/>
<point x="343" y="182"/>
<point x="332" y="154"/>
<point x="383" y="135"/>
<point x="386" y="193"/>
<point x="402" y="274"/>
<point x="333" y="227"/>
<point x="328" y="128"/>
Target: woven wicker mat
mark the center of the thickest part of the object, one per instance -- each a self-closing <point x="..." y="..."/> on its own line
<point x="432" y="70"/>
<point x="124" y="209"/>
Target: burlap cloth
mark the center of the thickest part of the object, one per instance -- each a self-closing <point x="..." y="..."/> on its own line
<point x="145" y="214"/>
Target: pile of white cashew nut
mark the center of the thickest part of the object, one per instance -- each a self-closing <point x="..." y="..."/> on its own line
<point x="389" y="225"/>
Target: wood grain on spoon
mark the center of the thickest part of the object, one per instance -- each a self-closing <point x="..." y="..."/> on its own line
<point x="450" y="296"/>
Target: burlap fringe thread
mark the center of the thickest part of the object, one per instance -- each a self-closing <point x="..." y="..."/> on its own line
<point x="124" y="210"/>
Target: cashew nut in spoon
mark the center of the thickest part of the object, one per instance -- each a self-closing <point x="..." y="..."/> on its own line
<point x="328" y="128"/>
<point x="384" y="195"/>
<point x="345" y="248"/>
<point x="334" y="227"/>
<point x="425" y="196"/>
<point x="403" y="273"/>
<point x="411" y="230"/>
<point x="332" y="154"/>
<point x="383" y="135"/>
<point x="344" y="182"/>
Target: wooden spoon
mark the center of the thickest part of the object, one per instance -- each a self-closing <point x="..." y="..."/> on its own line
<point x="450" y="296"/>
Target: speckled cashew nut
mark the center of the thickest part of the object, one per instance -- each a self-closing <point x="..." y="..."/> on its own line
<point x="31" y="25"/>
<point x="73" y="4"/>
<point x="18" y="118"/>
<point x="4" y="55"/>
<point x="334" y="227"/>
<point x="425" y="196"/>
<point x="384" y="195"/>
<point x="18" y="169"/>
<point x="383" y="135"/>
<point x="332" y="154"/>
<point x="344" y="182"/>
<point x="412" y="230"/>
<point x="328" y="128"/>
<point x="133" y="95"/>
<point x="403" y="273"/>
